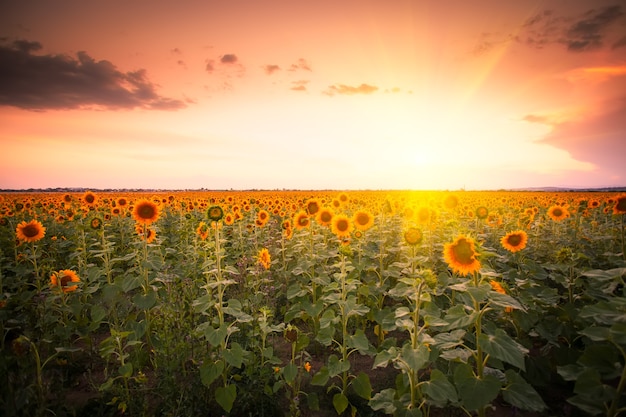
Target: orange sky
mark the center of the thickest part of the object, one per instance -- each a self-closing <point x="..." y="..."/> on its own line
<point x="312" y="95"/>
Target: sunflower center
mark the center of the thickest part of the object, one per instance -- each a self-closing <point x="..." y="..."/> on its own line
<point x="514" y="240"/>
<point x="65" y="279"/>
<point x="145" y="212"/>
<point x="326" y="216"/>
<point x="463" y="252"/>
<point x="362" y="219"/>
<point x="342" y="225"/>
<point x="30" y="230"/>
<point x="557" y="212"/>
<point x="621" y="204"/>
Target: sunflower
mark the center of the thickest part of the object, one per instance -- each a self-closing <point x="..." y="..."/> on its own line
<point x="514" y="241"/>
<point x="90" y="198"/>
<point x="482" y="212"/>
<point x="146" y="211"/>
<point x="341" y="226"/>
<point x="312" y="207"/>
<point x="413" y="236"/>
<point x="264" y="258"/>
<point x="122" y="201"/>
<point x="30" y="232"/>
<point x="460" y="255"/>
<point x="451" y="202"/>
<point x="324" y="216"/>
<point x="557" y="213"/>
<point x="215" y="213"/>
<point x="202" y="231"/>
<point x="65" y="280"/>
<point x="145" y="233"/>
<point x="262" y="217"/>
<point x="363" y="220"/>
<point x="620" y="204"/>
<point x="301" y="220"/>
<point x="95" y="223"/>
<point x="229" y="218"/>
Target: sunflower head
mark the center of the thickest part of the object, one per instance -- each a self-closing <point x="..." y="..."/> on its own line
<point x="342" y="226"/>
<point x="620" y="204"/>
<point x="482" y="212"/>
<point x="264" y="258"/>
<point x="460" y="255"/>
<point x="514" y="241"/>
<point x="90" y="198"/>
<point x="215" y="213"/>
<point x="66" y="280"/>
<point x="30" y="232"/>
<point x="96" y="223"/>
<point x="146" y="211"/>
<point x="301" y="220"/>
<point x="312" y="207"/>
<point x="413" y="236"/>
<point x="363" y="220"/>
<point x="557" y="213"/>
<point x="324" y="216"/>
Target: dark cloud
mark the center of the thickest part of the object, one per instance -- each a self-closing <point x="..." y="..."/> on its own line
<point x="210" y="66"/>
<point x="349" y="90"/>
<point x="228" y="59"/>
<point x="40" y="82"/>
<point x="270" y="69"/>
<point x="589" y="31"/>
<point x="598" y="138"/>
<point x="620" y="43"/>
<point x="301" y="64"/>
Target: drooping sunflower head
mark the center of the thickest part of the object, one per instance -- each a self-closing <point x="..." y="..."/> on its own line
<point x="66" y="280"/>
<point x="620" y="204"/>
<point x="146" y="211"/>
<point x="202" y="231"/>
<point x="363" y="220"/>
<point x="342" y="226"/>
<point x="460" y="255"/>
<point x="514" y="241"/>
<point x="215" y="213"/>
<point x="413" y="236"/>
<point x="96" y="223"/>
<point x="145" y="233"/>
<point x="30" y="232"/>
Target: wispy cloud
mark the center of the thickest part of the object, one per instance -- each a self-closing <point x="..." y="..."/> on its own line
<point x="299" y="85"/>
<point x="270" y="68"/>
<point x="41" y="82"/>
<point x="586" y="32"/>
<point x="301" y="64"/>
<point x="228" y="59"/>
<point x="350" y="90"/>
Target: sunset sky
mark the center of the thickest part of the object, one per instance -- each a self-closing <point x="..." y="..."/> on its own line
<point x="356" y="94"/>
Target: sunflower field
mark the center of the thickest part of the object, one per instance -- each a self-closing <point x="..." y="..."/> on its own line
<point x="313" y="303"/>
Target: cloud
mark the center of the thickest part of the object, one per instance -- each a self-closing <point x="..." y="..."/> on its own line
<point x="42" y="82"/>
<point x="270" y="69"/>
<point x="301" y="64"/>
<point x="228" y="59"/>
<point x="299" y="85"/>
<point x="585" y="32"/>
<point x="349" y="90"/>
<point x="210" y="66"/>
<point x="596" y="137"/>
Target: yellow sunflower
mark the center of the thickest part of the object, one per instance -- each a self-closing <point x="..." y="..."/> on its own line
<point x="514" y="241"/>
<point x="342" y="226"/>
<point x="557" y="213"/>
<point x="413" y="236"/>
<point x="66" y="280"/>
<point x="324" y="216"/>
<point x="301" y="220"/>
<point x="312" y="207"/>
<point x="215" y="213"/>
<point x="264" y="258"/>
<point x="202" y="231"/>
<point x="460" y="255"/>
<point x="482" y="212"/>
<point x="90" y="198"/>
<point x="146" y="212"/>
<point x="146" y="233"/>
<point x="31" y="231"/>
<point x="362" y="220"/>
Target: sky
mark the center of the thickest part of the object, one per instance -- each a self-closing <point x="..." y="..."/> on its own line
<point x="289" y="94"/>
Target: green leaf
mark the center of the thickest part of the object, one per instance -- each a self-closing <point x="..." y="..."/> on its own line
<point x="595" y="333"/>
<point x="502" y="346"/>
<point x="290" y="372"/>
<point x="359" y="342"/>
<point x="362" y="386"/>
<point x="384" y="400"/>
<point x="216" y="337"/>
<point x="449" y="340"/>
<point x="313" y="401"/>
<point x="504" y="300"/>
<point x="384" y="356"/>
<point x="145" y="301"/>
<point x="337" y="366"/>
<point x="234" y="355"/>
<point x="321" y="377"/>
<point x="126" y="370"/>
<point x="521" y="394"/>
<point x="439" y="389"/>
<point x="415" y="358"/>
<point x="340" y="402"/>
<point x="209" y="371"/>
<point x="98" y="313"/>
<point x="475" y="393"/>
<point x="225" y="396"/>
<point x="457" y="318"/>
